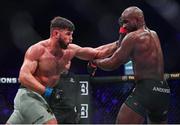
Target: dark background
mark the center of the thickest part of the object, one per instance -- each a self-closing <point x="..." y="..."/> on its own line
<point x="23" y="23"/>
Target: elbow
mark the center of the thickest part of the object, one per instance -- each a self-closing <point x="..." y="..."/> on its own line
<point x="109" y="66"/>
<point x="22" y="78"/>
<point x="114" y="64"/>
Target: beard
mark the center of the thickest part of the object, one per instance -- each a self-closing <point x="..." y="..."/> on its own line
<point x="132" y="28"/>
<point x="62" y="44"/>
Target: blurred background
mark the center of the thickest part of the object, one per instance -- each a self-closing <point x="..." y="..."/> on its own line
<point x="24" y="23"/>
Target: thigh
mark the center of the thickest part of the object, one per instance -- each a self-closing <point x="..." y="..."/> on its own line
<point x="15" y="118"/>
<point x="127" y="116"/>
<point x="132" y="111"/>
<point x="35" y="110"/>
<point x="159" y="112"/>
<point x="159" y="105"/>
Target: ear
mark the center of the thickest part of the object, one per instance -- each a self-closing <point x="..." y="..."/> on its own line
<point x="55" y="33"/>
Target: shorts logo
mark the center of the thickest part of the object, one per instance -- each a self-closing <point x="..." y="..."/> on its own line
<point x="135" y="103"/>
<point x="163" y="90"/>
<point x="72" y="80"/>
<point x="84" y="110"/>
<point x="84" y="87"/>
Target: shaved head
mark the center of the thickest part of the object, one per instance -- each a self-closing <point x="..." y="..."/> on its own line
<point x="132" y="18"/>
<point x="133" y="12"/>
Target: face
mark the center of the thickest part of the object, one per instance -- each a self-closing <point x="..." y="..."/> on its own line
<point x="128" y="23"/>
<point x="64" y="37"/>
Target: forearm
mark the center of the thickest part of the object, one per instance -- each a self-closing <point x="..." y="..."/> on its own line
<point x="104" y="64"/>
<point x="29" y="81"/>
<point x="88" y="53"/>
<point x="106" y="50"/>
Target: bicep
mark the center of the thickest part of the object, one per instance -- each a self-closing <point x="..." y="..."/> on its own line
<point x="29" y="66"/>
<point x="87" y="53"/>
<point x="84" y="53"/>
<point x="31" y="60"/>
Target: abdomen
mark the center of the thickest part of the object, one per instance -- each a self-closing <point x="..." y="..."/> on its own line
<point x="50" y="81"/>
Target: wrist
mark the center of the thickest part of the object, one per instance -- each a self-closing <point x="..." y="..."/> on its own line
<point x="48" y="92"/>
<point x="95" y="62"/>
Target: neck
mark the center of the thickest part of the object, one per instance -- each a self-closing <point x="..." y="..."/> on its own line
<point x="53" y="46"/>
<point x="142" y="25"/>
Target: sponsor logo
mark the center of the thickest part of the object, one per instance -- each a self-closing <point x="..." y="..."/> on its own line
<point x="135" y="103"/>
<point x="159" y="89"/>
<point x="84" y="87"/>
<point x="72" y="80"/>
<point x="84" y="110"/>
<point x="8" y="80"/>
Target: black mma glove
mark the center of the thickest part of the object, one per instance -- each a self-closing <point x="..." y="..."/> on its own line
<point x="53" y="93"/>
<point x="91" y="68"/>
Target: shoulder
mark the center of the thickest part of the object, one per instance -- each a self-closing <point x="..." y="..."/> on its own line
<point x="141" y="35"/>
<point x="154" y="33"/>
<point x="73" y="47"/>
<point x="132" y="36"/>
<point x="35" y="50"/>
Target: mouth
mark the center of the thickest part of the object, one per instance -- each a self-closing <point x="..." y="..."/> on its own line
<point x="63" y="45"/>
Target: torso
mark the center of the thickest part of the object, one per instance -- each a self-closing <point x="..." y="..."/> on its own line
<point x="50" y="66"/>
<point x="147" y="56"/>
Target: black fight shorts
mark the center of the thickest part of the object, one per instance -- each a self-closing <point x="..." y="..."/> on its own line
<point x="150" y="98"/>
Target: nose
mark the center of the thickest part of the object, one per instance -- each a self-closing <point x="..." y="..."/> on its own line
<point x="124" y="25"/>
<point x="71" y="39"/>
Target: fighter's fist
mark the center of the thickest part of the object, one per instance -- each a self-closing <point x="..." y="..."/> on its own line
<point x="91" y="68"/>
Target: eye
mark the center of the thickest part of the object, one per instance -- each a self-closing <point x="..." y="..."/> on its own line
<point x="69" y="33"/>
<point x="125" y="21"/>
<point x="122" y="21"/>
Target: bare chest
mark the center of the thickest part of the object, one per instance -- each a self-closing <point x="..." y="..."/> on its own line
<point x="54" y="64"/>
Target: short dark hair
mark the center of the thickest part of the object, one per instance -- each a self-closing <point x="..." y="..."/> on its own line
<point x="62" y="23"/>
